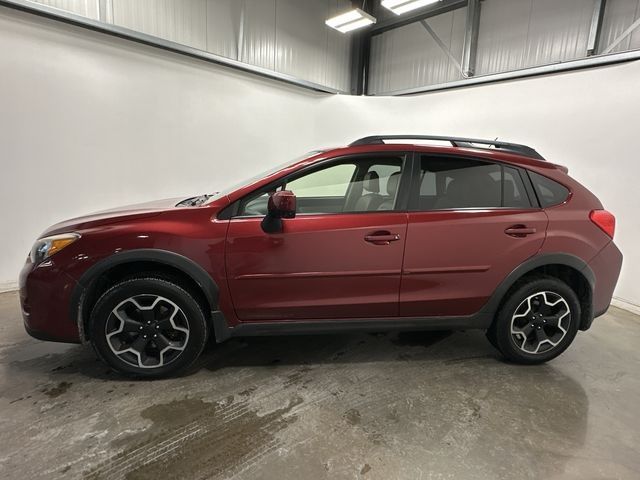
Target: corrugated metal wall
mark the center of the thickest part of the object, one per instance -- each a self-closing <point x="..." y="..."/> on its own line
<point x="287" y="36"/>
<point x="620" y="14"/>
<point x="180" y="21"/>
<point x="518" y="34"/>
<point x="514" y="34"/>
<point x="409" y="56"/>
<point x="86" y="8"/>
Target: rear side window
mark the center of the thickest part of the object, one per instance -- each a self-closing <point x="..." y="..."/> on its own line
<point x="549" y="193"/>
<point x="514" y="195"/>
<point x="449" y="183"/>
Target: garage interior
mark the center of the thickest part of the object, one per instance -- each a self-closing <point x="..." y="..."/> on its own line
<point x="113" y="102"/>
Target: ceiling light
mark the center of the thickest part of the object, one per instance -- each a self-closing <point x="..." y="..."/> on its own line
<point x="403" y="6"/>
<point x="351" y="20"/>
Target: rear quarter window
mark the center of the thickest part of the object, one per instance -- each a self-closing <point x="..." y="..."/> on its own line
<point x="549" y="192"/>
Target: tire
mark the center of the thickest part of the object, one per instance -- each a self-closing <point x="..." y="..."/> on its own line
<point x="537" y="322"/>
<point x="148" y="328"/>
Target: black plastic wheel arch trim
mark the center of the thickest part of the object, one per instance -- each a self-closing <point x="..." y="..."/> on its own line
<point x="161" y="257"/>
<point x="541" y="260"/>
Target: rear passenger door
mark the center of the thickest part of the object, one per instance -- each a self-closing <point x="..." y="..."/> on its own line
<point x="471" y="222"/>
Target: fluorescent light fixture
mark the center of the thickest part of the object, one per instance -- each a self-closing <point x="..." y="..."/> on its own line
<point x="403" y="6"/>
<point x="350" y="20"/>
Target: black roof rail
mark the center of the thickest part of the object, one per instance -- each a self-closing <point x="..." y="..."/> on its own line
<point x="456" y="142"/>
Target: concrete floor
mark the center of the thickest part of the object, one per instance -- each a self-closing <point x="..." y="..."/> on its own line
<point x="387" y="406"/>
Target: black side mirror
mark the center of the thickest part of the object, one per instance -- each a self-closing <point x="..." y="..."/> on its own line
<point x="281" y="205"/>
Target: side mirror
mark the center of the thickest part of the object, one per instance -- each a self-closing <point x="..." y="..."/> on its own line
<point x="281" y="205"/>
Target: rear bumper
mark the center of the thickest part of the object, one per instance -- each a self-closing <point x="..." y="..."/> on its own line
<point x="606" y="267"/>
<point x="45" y="294"/>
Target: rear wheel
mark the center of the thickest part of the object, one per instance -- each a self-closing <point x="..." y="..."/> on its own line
<point x="537" y="322"/>
<point x="148" y="327"/>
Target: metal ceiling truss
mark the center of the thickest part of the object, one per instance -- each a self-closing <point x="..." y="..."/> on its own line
<point x="362" y="40"/>
<point x="467" y="67"/>
<point x="622" y="37"/>
<point x="441" y="44"/>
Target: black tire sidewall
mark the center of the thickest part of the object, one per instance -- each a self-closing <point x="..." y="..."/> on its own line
<point x="198" y="331"/>
<point x="502" y="327"/>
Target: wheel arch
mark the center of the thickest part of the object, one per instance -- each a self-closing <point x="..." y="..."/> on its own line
<point x="125" y="264"/>
<point x="568" y="268"/>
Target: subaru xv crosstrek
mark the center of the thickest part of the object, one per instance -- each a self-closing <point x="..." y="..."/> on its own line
<point x="390" y="233"/>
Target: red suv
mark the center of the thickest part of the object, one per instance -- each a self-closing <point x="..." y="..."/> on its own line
<point x="374" y="236"/>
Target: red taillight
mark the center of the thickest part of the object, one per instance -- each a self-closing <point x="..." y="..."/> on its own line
<point x="605" y="220"/>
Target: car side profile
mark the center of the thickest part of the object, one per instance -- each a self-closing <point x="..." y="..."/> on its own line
<point x="389" y="233"/>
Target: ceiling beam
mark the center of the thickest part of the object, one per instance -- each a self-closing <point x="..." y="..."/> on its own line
<point x="417" y="15"/>
<point x="360" y="53"/>
<point x="596" y="27"/>
<point x="470" y="47"/>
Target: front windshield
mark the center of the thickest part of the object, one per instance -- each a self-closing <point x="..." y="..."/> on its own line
<point x="260" y="176"/>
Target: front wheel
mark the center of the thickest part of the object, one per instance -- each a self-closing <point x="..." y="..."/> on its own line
<point x="537" y="322"/>
<point x="148" y="327"/>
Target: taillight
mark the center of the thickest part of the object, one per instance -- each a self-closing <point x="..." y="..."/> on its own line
<point x="604" y="220"/>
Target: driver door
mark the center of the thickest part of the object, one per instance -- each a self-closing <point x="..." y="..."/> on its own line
<point x="327" y="261"/>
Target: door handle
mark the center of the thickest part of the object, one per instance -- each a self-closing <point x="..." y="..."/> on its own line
<point x="520" y="231"/>
<point x="382" y="238"/>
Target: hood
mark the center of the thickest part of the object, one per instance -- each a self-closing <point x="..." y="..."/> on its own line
<point x="114" y="215"/>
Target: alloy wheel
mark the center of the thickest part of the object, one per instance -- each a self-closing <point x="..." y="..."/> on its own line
<point x="147" y="331"/>
<point x="540" y="322"/>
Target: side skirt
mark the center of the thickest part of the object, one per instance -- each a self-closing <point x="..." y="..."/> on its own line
<point x="309" y="327"/>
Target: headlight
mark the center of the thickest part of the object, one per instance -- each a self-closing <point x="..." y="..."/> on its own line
<point x="45" y="247"/>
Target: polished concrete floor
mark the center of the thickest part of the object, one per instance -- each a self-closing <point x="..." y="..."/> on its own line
<point x="386" y="406"/>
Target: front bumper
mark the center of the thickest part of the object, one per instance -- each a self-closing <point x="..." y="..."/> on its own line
<point x="45" y="296"/>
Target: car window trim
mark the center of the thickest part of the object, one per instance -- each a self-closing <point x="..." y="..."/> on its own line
<point x="406" y="166"/>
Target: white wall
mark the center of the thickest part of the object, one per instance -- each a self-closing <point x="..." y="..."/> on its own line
<point x="77" y="109"/>
<point x="88" y="121"/>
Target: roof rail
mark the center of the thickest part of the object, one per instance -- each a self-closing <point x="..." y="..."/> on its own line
<point x="456" y="142"/>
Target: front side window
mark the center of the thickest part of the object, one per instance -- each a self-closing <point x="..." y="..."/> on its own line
<point x="329" y="182"/>
<point x="453" y="183"/>
<point x="352" y="185"/>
